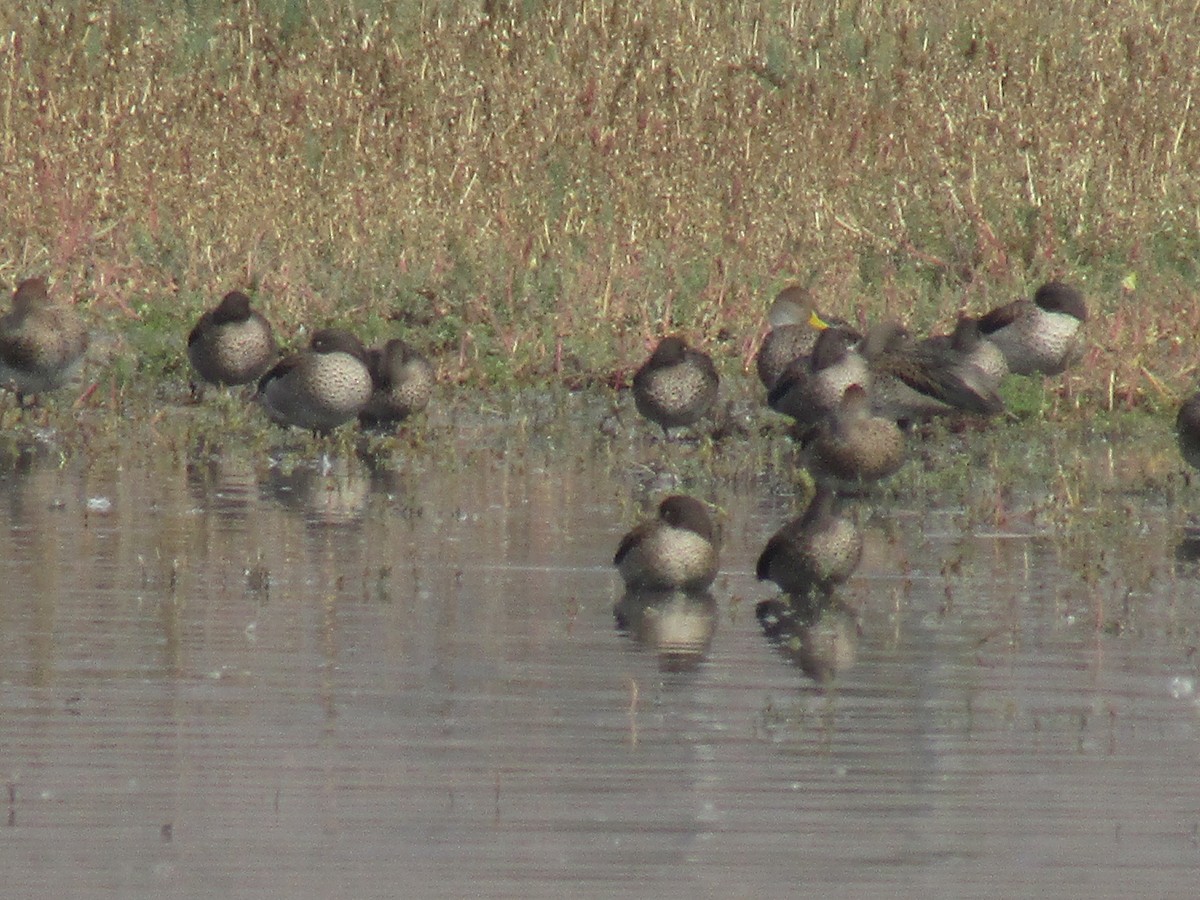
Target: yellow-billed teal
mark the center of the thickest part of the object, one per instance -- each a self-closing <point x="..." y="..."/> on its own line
<point x="853" y="446"/>
<point x="1041" y="335"/>
<point x="810" y="555"/>
<point x="232" y="343"/>
<point x="795" y="327"/>
<point x="675" y="551"/>
<point x="41" y="342"/>
<point x="912" y="382"/>
<point x="810" y="389"/>
<point x="676" y="386"/>
<point x="402" y="380"/>
<point x="1187" y="430"/>
<point x="321" y="387"/>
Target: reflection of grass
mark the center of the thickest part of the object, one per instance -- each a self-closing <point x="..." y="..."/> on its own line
<point x="533" y="191"/>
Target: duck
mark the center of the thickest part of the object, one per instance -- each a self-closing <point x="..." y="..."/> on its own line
<point x="402" y="382"/>
<point x="795" y="327"/>
<point x="41" y="342"/>
<point x="811" y="555"/>
<point x="853" y="447"/>
<point x="1187" y="430"/>
<point x="677" y="550"/>
<point x="321" y="387"/>
<point x="968" y="344"/>
<point x="917" y="381"/>
<point x="676" y="386"/>
<point x="1042" y="335"/>
<point x="232" y="344"/>
<point x="810" y="389"/>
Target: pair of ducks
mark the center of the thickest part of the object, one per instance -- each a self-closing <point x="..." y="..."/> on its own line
<point x="677" y="551"/>
<point x="335" y="379"/>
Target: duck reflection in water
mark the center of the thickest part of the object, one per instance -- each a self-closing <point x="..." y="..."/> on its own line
<point x="677" y="625"/>
<point x="328" y="492"/>
<point x="820" y="637"/>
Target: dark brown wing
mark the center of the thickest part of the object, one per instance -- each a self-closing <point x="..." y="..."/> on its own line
<point x="1001" y="316"/>
<point x="631" y="540"/>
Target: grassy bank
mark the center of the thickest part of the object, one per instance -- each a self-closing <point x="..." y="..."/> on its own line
<point x="532" y="190"/>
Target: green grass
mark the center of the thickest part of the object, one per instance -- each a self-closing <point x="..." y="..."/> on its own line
<point x="532" y="190"/>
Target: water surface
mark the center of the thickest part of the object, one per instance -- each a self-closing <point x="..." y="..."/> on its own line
<point x="239" y="673"/>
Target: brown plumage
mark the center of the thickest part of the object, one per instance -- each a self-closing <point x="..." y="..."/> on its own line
<point x="41" y="342"/>
<point x="795" y="327"/>
<point x="402" y="383"/>
<point x="232" y="343"/>
<point x="810" y="389"/>
<point x="853" y="446"/>
<point x="917" y="381"/>
<point x="676" y="386"/>
<point x="1042" y="335"/>
<point x="1187" y="430"/>
<point x="321" y="387"/>
<point x="810" y="555"/>
<point x="676" y="550"/>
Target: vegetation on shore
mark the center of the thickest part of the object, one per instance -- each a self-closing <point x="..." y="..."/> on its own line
<point x="531" y="191"/>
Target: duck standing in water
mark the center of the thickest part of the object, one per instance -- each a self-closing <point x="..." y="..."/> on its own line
<point x="676" y="386"/>
<point x="853" y="447"/>
<point x="232" y="343"/>
<point x="675" y="551"/>
<point x="41" y="342"/>
<point x="321" y="387"/>
<point x="811" y="555"/>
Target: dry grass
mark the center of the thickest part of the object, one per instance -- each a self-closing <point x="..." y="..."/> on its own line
<point x="534" y="189"/>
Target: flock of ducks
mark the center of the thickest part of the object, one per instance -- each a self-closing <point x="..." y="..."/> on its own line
<point x="852" y="398"/>
<point x="332" y="381"/>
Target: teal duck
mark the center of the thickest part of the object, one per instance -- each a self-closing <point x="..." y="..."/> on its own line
<point x="676" y="386"/>
<point x="810" y="389"/>
<point x="1187" y="430"/>
<point x="968" y="344"/>
<point x="41" y="342"/>
<point x="795" y="327"/>
<point x="853" y="447"/>
<point x="402" y="381"/>
<point x="811" y="555"/>
<point x="916" y="381"/>
<point x="675" y="551"/>
<point x="1041" y="335"/>
<point x="321" y="387"/>
<point x="232" y="343"/>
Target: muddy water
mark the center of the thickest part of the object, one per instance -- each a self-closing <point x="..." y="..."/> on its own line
<point x="224" y="677"/>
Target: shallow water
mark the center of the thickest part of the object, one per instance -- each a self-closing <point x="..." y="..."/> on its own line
<point x="223" y="678"/>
